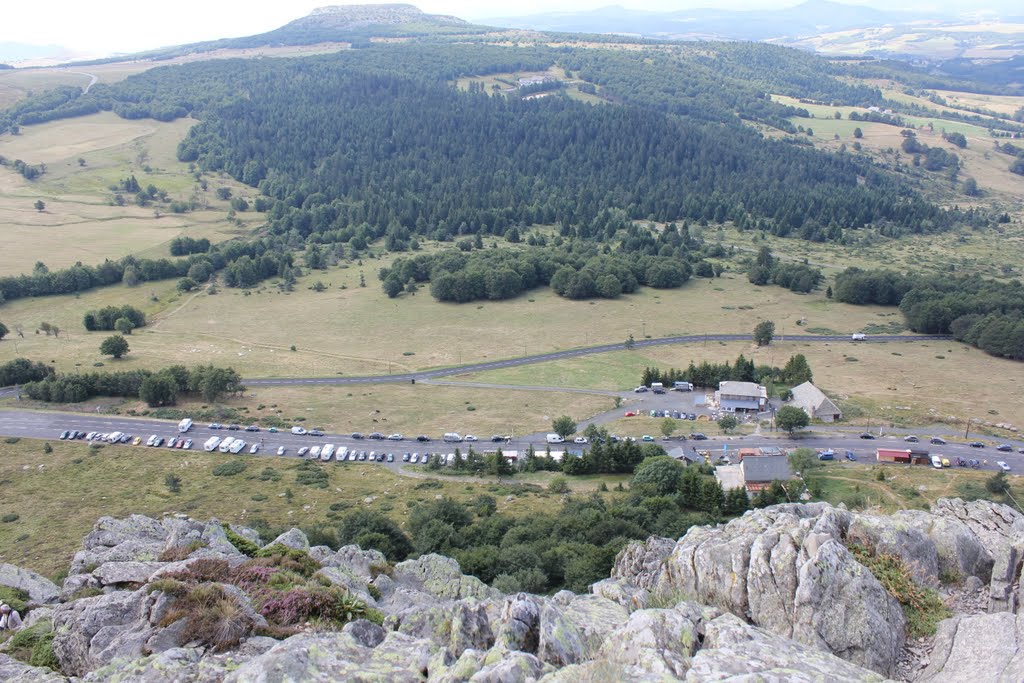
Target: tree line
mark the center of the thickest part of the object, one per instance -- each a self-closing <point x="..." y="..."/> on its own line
<point x="796" y="277"/>
<point x="709" y="375"/>
<point x="108" y="317"/>
<point x="156" y="388"/>
<point x="22" y="370"/>
<point x="244" y="262"/>
<point x="988" y="314"/>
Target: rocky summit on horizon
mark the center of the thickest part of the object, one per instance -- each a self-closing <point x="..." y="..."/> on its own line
<point x="780" y="594"/>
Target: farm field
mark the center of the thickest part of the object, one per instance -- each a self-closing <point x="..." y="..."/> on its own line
<point x="908" y="383"/>
<point x="83" y="485"/>
<point x="351" y="330"/>
<point x="389" y="408"/>
<point x="80" y="222"/>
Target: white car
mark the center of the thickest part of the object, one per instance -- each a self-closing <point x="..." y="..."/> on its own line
<point x="303" y="451"/>
<point x="395" y="437"/>
<point x="580" y="439"/>
<point x="1003" y="466"/>
<point x="280" y="450"/>
<point x="255" y="449"/>
<point x="469" y="437"/>
<point x="188" y="444"/>
<point x="415" y="458"/>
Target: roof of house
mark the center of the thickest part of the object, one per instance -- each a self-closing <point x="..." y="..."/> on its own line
<point x="813" y="400"/>
<point x="751" y="389"/>
<point x="766" y="468"/>
<point x="680" y="453"/>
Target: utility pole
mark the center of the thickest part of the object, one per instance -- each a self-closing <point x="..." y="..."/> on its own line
<point x="968" y="429"/>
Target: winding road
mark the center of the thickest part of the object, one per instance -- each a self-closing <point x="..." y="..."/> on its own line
<point x="576" y="353"/>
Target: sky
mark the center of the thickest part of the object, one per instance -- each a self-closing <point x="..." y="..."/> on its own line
<point x="97" y="27"/>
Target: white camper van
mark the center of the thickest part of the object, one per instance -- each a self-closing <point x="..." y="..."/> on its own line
<point x="185" y="425"/>
<point x="555" y="438"/>
<point x="211" y="443"/>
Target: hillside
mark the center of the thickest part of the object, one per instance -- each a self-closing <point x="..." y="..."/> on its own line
<point x="829" y="593"/>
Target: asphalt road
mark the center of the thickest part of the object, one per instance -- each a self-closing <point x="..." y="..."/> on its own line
<point x="49" y="425"/>
<point x="576" y="353"/>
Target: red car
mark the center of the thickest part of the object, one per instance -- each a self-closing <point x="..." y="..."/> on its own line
<point x="630" y="413"/>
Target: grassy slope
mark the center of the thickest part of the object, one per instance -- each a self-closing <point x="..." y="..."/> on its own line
<point x="81" y="486"/>
<point x="79" y="222"/>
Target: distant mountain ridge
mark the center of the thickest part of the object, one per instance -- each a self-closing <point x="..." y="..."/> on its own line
<point x="814" y="16"/>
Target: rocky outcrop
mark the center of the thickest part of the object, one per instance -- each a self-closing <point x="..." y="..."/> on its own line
<point x="786" y="569"/>
<point x="331" y="657"/>
<point x="734" y="650"/>
<point x="39" y="588"/>
<point x="13" y="671"/>
<point x="775" y="595"/>
<point x="983" y="647"/>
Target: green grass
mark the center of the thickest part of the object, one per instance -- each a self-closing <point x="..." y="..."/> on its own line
<point x="82" y="485"/>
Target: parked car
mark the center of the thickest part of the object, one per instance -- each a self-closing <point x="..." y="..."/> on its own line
<point x="272" y="430"/>
<point x="252" y="428"/>
<point x="357" y="435"/>
<point x="414" y="458"/>
<point x="630" y="413"/>
<point x="254" y="449"/>
<point x="911" y="439"/>
<point x="406" y="456"/>
<point x="641" y="390"/>
<point x="423" y="438"/>
<point x="691" y="416"/>
<point x="281" y="450"/>
<point x="395" y="437"/>
<point x="187" y="445"/>
<point x="697" y="436"/>
<point x="234" y="428"/>
<point x="391" y="457"/>
<point x="215" y="425"/>
<point x="1003" y="466"/>
<point x="137" y="441"/>
<point x="937" y="441"/>
<point x="976" y="444"/>
<point x="302" y="451"/>
<point x="469" y="437"/>
<point x="315" y="432"/>
<point x="298" y="431"/>
<point x="158" y="442"/>
<point x="867" y="435"/>
<point x="580" y="439"/>
<point x="850" y="456"/>
<point x="647" y="437"/>
<point x="1020" y="450"/>
<point x="64" y="435"/>
<point x="1005" y="448"/>
<point x="377" y="436"/>
<point x="172" y="442"/>
<point x="497" y="438"/>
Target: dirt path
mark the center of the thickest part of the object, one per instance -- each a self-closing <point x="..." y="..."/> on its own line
<point x="873" y="486"/>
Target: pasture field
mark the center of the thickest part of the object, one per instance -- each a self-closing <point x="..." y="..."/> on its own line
<point x="903" y="383"/>
<point x="350" y="330"/>
<point x="80" y="222"/>
<point x="904" y="487"/>
<point x="991" y="169"/>
<point x="405" y="408"/>
<point x="82" y="484"/>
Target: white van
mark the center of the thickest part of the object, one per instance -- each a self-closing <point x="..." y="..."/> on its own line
<point x="298" y="430"/>
<point x="237" y="447"/>
<point x="327" y="452"/>
<point x="859" y="336"/>
<point x="314" y="452"/>
<point x="555" y="438"/>
<point x="226" y="444"/>
<point x="211" y="443"/>
<point x="452" y="437"/>
<point x="185" y="425"/>
<point x="342" y="454"/>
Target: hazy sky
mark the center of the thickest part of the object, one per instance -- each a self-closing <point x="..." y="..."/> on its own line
<point x="104" y="26"/>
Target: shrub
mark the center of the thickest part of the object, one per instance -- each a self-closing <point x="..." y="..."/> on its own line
<point x="251" y="577"/>
<point x="311" y="474"/>
<point x="34" y="645"/>
<point x="229" y="468"/>
<point x="181" y="552"/>
<point x="241" y="543"/>
<point x="299" y="605"/>
<point x="558" y="485"/>
<point x="10" y="517"/>
<point x="15" y="597"/>
<point x="203" y="571"/>
<point x="289" y="558"/>
<point x="214" y="617"/>
<point x="923" y="607"/>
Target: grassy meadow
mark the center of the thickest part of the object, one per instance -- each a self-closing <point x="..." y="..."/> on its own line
<point x="81" y="485"/>
<point x="80" y="221"/>
<point x="907" y="383"/>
